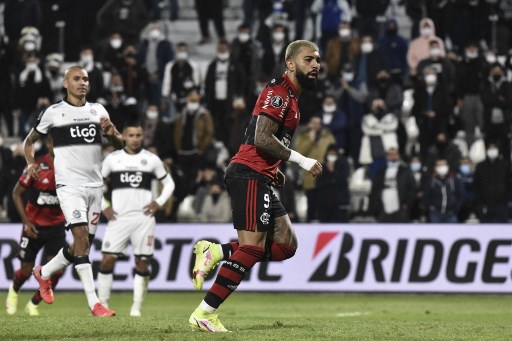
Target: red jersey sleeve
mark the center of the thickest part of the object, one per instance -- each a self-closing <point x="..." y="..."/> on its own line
<point x="271" y="102"/>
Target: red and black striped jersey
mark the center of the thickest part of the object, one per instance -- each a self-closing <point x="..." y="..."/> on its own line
<point x="42" y="207"/>
<point x="279" y="102"/>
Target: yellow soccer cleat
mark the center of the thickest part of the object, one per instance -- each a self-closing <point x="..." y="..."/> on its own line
<point x="32" y="309"/>
<point x="11" y="303"/>
<point x="206" y="322"/>
<point x="208" y="255"/>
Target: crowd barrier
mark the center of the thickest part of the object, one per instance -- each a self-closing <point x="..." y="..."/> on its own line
<point x="418" y="258"/>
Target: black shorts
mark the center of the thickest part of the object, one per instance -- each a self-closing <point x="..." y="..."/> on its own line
<point x="253" y="203"/>
<point x="52" y="238"/>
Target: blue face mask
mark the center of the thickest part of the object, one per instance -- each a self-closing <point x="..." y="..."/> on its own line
<point x="465" y="169"/>
<point x="415" y="166"/>
<point x="393" y="164"/>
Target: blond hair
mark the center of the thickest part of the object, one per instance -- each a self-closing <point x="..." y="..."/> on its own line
<point x="294" y="48"/>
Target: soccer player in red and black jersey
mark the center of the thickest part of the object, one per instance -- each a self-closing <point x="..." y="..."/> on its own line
<point x="262" y="223"/>
<point x="43" y="226"/>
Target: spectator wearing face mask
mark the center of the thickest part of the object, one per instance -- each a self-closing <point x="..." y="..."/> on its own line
<point x="419" y="172"/>
<point x="55" y="75"/>
<point x="248" y="53"/>
<point x="335" y="120"/>
<point x="380" y="134"/>
<point x="131" y="73"/>
<point x="387" y="90"/>
<point x="313" y="143"/>
<point x="444" y="67"/>
<point x="329" y="15"/>
<point x="393" y="190"/>
<point x="393" y="49"/>
<point x="419" y="48"/>
<point x="207" y="10"/>
<point x="444" y="149"/>
<point x="112" y="57"/>
<point x="153" y="55"/>
<point x="432" y="106"/>
<point x="444" y="194"/>
<point x="342" y="48"/>
<point x="492" y="186"/>
<point x="469" y="82"/>
<point x="225" y="80"/>
<point x="95" y="75"/>
<point x="150" y="123"/>
<point x="332" y="187"/>
<point x="273" y="53"/>
<point x="181" y="76"/>
<point x="466" y="175"/>
<point x="370" y="61"/>
<point x="497" y="100"/>
<point x="121" y="108"/>
<point x="216" y="207"/>
<point x="32" y="93"/>
<point x="352" y="96"/>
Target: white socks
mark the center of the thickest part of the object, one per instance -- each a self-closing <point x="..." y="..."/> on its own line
<point x="85" y="274"/>
<point x="140" y="288"/>
<point x="57" y="263"/>
<point x="206" y="307"/>
<point x="104" y="287"/>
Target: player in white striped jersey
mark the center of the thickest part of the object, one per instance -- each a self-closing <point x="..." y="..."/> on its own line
<point x="131" y="212"/>
<point x="75" y="126"/>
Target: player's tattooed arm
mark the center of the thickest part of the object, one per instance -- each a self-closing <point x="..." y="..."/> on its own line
<point x="265" y="139"/>
<point x="28" y="150"/>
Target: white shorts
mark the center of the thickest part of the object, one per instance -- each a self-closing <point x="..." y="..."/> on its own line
<point x="135" y="229"/>
<point x="81" y="206"/>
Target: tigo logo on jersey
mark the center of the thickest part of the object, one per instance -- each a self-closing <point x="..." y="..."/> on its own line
<point x="88" y="133"/>
<point x="133" y="179"/>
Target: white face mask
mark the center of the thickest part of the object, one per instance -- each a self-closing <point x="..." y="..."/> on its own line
<point x="332" y="158"/>
<point x="30" y="46"/>
<point x="329" y="108"/>
<point x="366" y="47"/>
<point x="86" y="58"/>
<point x="154" y="34"/>
<point x="490" y="58"/>
<point x="344" y="32"/>
<point x="471" y="54"/>
<point x="116" y="43"/>
<point x="430" y="79"/>
<point x="442" y="170"/>
<point x="181" y="55"/>
<point x="244" y="37"/>
<point x="435" y="52"/>
<point x="492" y="153"/>
<point x="223" y="56"/>
<point x="348" y="76"/>
<point x="188" y="84"/>
<point x="426" y="32"/>
<point x="278" y="36"/>
<point x="152" y="114"/>
<point x="192" y="106"/>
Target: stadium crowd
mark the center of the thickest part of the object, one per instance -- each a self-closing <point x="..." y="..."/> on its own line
<point x="410" y="126"/>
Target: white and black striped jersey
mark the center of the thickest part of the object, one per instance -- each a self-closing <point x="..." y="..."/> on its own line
<point x="130" y="177"/>
<point x="76" y="134"/>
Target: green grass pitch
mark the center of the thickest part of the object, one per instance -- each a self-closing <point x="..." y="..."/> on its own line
<point x="272" y="316"/>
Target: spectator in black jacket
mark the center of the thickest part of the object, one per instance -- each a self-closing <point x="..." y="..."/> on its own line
<point x="332" y="187"/>
<point x="444" y="149"/>
<point x="492" y="186"/>
<point x="497" y="100"/>
<point x="444" y="194"/>
<point x="444" y="67"/>
<point x="273" y="52"/>
<point x="393" y="191"/>
<point x="432" y="107"/>
<point x="225" y="80"/>
<point x="469" y="81"/>
<point x="368" y="11"/>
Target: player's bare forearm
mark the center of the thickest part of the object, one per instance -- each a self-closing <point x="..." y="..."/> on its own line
<point x="265" y="139"/>
<point x="116" y="139"/>
<point x="28" y="146"/>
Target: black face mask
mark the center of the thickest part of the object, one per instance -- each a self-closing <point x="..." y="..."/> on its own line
<point x="383" y="82"/>
<point x="215" y="197"/>
<point x="304" y="81"/>
<point x="378" y="112"/>
<point x="496" y="77"/>
<point x="391" y="31"/>
<point x="441" y="144"/>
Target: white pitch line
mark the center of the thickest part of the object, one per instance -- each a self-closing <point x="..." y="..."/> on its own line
<point x="351" y="314"/>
